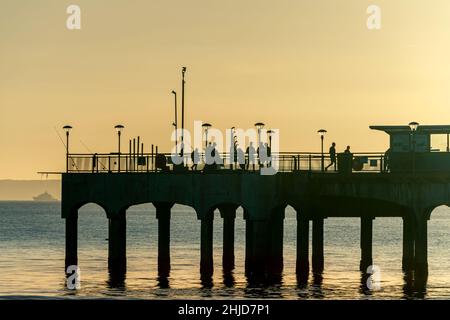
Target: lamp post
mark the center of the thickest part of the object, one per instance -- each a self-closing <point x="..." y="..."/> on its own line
<point x="119" y="129"/>
<point x="232" y="147"/>
<point x="183" y="71"/>
<point x="413" y="126"/>
<point x="175" y="123"/>
<point x="259" y="126"/>
<point x="67" y="129"/>
<point x="321" y="133"/>
<point x="206" y="127"/>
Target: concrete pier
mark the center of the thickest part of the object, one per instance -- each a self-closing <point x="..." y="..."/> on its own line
<point x="117" y="258"/>
<point x="163" y="215"/>
<point x="302" y="266"/>
<point x="228" y="214"/>
<point x="260" y="250"/>
<point x="420" y="249"/>
<point x="72" y="239"/>
<point x="366" y="243"/>
<point x="206" y="246"/>
<point x="276" y="229"/>
<point x="317" y="246"/>
<point x="408" y="244"/>
<point x="319" y="195"/>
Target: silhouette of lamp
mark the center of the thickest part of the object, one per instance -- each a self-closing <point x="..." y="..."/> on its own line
<point x="413" y="126"/>
<point x="321" y="133"/>
<point x="119" y="129"/>
<point x="175" y="123"/>
<point x="206" y="127"/>
<point x="183" y="82"/>
<point x="259" y="126"/>
<point x="67" y="129"/>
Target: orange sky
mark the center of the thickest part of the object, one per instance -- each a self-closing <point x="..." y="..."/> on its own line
<point x="295" y="65"/>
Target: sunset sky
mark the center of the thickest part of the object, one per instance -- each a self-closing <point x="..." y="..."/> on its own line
<point x="295" y="65"/>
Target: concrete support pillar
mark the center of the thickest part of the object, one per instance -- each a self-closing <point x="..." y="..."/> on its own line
<point x="248" y="246"/>
<point x="317" y="246"/>
<point x="421" y="248"/>
<point x="260" y="249"/>
<point x="163" y="215"/>
<point x="366" y="243"/>
<point x="302" y="265"/>
<point x="228" y="213"/>
<point x="276" y="229"/>
<point x="206" y="246"/>
<point x="117" y="242"/>
<point x="408" y="244"/>
<point x="71" y="239"/>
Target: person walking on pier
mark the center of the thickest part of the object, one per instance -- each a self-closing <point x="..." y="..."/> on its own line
<point x="250" y="156"/>
<point x="332" y="152"/>
<point x="195" y="156"/>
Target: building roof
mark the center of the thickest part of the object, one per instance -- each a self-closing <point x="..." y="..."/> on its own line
<point x="431" y="129"/>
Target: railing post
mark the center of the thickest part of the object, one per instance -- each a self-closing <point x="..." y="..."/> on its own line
<point x="310" y="162"/>
<point x="381" y="164"/>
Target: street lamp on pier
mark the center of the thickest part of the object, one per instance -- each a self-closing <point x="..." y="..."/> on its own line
<point x="175" y="123"/>
<point x="206" y="127"/>
<point x="321" y="133"/>
<point x="413" y="126"/>
<point x="119" y="129"/>
<point x="67" y="129"/>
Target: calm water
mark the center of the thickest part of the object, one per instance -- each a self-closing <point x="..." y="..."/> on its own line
<point x="32" y="257"/>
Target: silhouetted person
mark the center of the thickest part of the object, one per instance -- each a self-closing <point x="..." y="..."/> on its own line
<point x="250" y="156"/>
<point x="195" y="156"/>
<point x="182" y="153"/>
<point x="260" y="151"/>
<point x="241" y="157"/>
<point x="332" y="152"/>
<point x="347" y="150"/>
<point x="94" y="162"/>
<point x="235" y="155"/>
<point x="269" y="155"/>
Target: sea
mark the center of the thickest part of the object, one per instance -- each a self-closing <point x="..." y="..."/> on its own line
<point x="32" y="258"/>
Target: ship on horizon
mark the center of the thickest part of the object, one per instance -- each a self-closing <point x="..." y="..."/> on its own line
<point x="44" y="197"/>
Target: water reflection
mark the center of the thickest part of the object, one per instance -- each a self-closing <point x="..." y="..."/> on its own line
<point x="317" y="285"/>
<point x="228" y="279"/>
<point x="163" y="282"/>
<point x="206" y="282"/>
<point x="420" y="284"/>
<point x="364" y="286"/>
<point x="117" y="277"/>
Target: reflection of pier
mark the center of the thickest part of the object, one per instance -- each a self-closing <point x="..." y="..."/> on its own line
<point x="314" y="196"/>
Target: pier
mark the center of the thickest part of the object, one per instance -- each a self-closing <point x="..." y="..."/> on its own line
<point x="368" y="190"/>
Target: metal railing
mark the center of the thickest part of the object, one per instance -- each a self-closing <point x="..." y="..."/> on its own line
<point x="281" y="162"/>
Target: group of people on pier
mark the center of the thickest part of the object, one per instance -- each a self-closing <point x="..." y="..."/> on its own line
<point x="332" y="153"/>
<point x="237" y="159"/>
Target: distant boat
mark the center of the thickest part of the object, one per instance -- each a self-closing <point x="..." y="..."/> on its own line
<point x="44" y="197"/>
